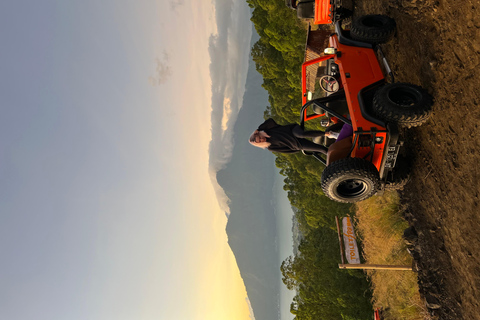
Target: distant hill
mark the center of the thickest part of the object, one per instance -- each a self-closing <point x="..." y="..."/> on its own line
<point x="251" y="228"/>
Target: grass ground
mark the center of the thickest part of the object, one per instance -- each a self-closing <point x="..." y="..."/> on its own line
<point x="380" y="226"/>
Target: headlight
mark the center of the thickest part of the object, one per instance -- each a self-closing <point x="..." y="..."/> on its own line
<point x="330" y="51"/>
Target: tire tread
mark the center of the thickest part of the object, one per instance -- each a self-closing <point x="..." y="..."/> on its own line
<point x="405" y="117"/>
<point x="347" y="166"/>
<point x="373" y="35"/>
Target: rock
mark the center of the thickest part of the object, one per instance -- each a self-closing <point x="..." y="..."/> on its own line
<point x="410" y="236"/>
<point x="432" y="302"/>
<point x="418" y="249"/>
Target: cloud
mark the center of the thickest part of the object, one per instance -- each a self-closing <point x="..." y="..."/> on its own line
<point x="229" y="51"/>
<point x="175" y="4"/>
<point x="163" y="71"/>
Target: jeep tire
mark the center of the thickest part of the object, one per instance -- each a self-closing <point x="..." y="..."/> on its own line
<point x="401" y="175"/>
<point x="406" y="104"/>
<point x="350" y="180"/>
<point x="373" y="28"/>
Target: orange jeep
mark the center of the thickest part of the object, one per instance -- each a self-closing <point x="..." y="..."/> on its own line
<point x="358" y="94"/>
<point x="321" y="11"/>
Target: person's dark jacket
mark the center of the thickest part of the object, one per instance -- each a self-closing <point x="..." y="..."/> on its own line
<point x="281" y="137"/>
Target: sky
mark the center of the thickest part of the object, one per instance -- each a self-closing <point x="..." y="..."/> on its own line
<point x="115" y="116"/>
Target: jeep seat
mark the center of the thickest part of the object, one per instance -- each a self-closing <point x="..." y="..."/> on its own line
<point x="339" y="106"/>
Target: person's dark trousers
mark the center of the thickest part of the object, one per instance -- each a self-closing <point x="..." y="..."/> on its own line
<point x="308" y="145"/>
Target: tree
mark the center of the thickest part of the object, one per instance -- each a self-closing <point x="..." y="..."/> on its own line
<point x="288" y="274"/>
<point x="323" y="290"/>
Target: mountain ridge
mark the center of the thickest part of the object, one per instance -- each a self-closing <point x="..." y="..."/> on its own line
<point x="248" y="182"/>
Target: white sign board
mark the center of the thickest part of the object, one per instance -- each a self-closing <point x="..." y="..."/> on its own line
<point x="351" y="248"/>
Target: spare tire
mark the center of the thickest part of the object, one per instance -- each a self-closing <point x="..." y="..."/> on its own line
<point x="406" y="104"/>
<point x="373" y="28"/>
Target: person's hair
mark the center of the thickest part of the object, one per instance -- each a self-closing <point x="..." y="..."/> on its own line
<point x="262" y="145"/>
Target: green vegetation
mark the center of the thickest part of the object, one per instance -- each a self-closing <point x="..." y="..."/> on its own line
<point x="380" y="226"/>
<point x="323" y="290"/>
<point x="278" y="56"/>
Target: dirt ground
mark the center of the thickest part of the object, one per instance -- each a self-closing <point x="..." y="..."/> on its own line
<point x="437" y="46"/>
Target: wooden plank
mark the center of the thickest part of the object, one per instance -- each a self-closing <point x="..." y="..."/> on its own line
<point x="340" y="241"/>
<point x="374" y="267"/>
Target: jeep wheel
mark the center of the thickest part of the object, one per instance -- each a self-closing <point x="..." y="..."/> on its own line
<point x="350" y="180"/>
<point x="373" y="28"/>
<point x="403" y="103"/>
<point x="401" y="175"/>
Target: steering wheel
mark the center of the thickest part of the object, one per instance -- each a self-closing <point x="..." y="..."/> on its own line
<point x="329" y="84"/>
